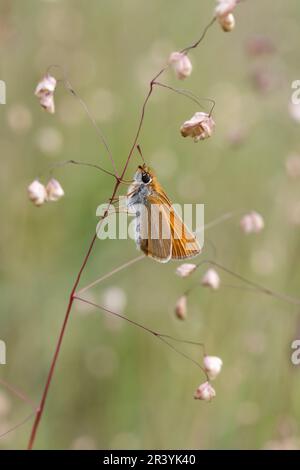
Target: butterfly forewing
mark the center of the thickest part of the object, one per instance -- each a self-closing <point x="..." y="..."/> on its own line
<point x="168" y="236"/>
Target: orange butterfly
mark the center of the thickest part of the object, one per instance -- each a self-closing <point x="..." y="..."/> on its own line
<point x="160" y="232"/>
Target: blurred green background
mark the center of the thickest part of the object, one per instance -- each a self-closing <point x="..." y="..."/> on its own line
<point x="116" y="386"/>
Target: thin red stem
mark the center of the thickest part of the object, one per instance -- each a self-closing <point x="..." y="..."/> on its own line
<point x="40" y="409"/>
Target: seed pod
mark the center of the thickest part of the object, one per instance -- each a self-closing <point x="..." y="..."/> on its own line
<point x="181" y="307"/>
<point x="185" y="269"/>
<point x="181" y="64"/>
<point x="211" y="279"/>
<point x="205" y="392"/>
<point x="37" y="193"/>
<point x="199" y="127"/>
<point x="227" y="22"/>
<point x="252" y="223"/>
<point x="54" y="190"/>
<point x="45" y="93"/>
<point x="212" y="366"/>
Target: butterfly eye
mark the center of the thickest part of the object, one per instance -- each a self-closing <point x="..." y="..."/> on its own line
<point x="146" y="178"/>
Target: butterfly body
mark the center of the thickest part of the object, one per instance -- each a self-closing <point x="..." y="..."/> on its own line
<point x="160" y="232"/>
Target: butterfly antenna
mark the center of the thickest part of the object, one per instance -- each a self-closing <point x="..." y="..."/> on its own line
<point x="140" y="152"/>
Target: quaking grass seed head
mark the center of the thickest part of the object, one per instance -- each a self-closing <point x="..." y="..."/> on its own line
<point x="205" y="392"/>
<point x="212" y="366"/>
<point x="211" y="279"/>
<point x="45" y="93"/>
<point x="186" y="269"/>
<point x="54" y="190"/>
<point x="181" y="65"/>
<point x="37" y="193"/>
<point x="199" y="127"/>
<point x="181" y="307"/>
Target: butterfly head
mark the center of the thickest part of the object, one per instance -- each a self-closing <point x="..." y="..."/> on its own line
<point x="144" y="175"/>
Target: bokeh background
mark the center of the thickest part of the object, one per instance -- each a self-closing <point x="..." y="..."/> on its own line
<point x="116" y="386"/>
